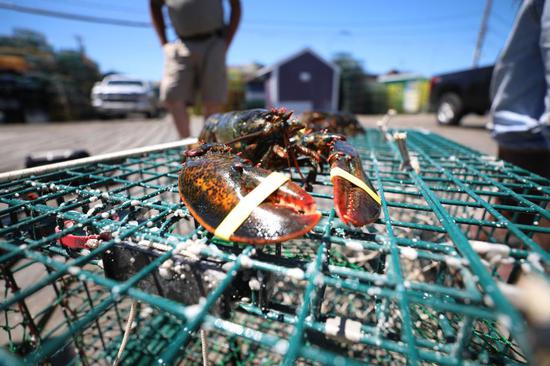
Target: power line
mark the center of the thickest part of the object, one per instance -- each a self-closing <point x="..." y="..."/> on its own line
<point x="109" y="6"/>
<point x="389" y="23"/>
<point x="498" y="34"/>
<point x="254" y="28"/>
<point x="502" y="20"/>
<point x="396" y="31"/>
<point x="498" y="27"/>
<point x="72" y="16"/>
<point x="425" y="22"/>
<point x="369" y="37"/>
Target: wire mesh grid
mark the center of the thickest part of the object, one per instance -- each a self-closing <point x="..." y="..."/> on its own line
<point x="423" y="285"/>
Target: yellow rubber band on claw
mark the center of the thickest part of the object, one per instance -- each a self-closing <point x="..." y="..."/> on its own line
<point x="244" y="208"/>
<point x="339" y="172"/>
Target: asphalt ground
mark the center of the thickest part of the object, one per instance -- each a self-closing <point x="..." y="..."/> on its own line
<point x="97" y="137"/>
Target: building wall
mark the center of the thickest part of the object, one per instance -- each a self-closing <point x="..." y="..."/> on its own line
<point x="306" y="79"/>
<point x="408" y="96"/>
<point x="255" y="94"/>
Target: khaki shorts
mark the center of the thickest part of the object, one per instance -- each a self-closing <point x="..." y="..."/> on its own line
<point x="194" y="68"/>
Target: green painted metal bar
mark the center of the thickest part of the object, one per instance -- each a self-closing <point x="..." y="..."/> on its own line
<point x="461" y="241"/>
<point x="401" y="296"/>
<point x="172" y="350"/>
<point x="298" y="334"/>
<point x="419" y="276"/>
<point x="502" y="219"/>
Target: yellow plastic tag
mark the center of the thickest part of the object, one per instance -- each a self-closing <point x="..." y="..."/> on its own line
<point x="339" y="172"/>
<point x="244" y="208"/>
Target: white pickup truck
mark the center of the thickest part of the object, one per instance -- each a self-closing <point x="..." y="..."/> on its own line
<point x="118" y="95"/>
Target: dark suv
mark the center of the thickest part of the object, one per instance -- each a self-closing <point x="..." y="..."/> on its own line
<point x="453" y="95"/>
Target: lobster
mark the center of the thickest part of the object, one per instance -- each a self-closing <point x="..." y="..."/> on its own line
<point x="213" y="181"/>
<point x="342" y="123"/>
<point x="271" y="140"/>
<point x="256" y="134"/>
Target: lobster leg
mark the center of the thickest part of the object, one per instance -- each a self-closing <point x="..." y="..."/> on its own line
<point x="308" y="152"/>
<point x="354" y="204"/>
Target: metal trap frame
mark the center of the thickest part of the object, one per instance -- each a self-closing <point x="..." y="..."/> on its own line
<point x="428" y="283"/>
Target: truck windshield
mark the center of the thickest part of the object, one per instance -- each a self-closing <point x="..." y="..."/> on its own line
<point x="125" y="82"/>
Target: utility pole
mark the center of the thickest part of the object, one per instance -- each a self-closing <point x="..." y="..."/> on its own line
<point x="80" y="44"/>
<point x="482" y="32"/>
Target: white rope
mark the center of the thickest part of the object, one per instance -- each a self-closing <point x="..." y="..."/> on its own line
<point x="18" y="174"/>
<point x="126" y="332"/>
<point x="203" y="346"/>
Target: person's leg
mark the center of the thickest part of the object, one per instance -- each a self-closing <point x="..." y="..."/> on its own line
<point x="211" y="108"/>
<point x="518" y="87"/>
<point x="541" y="238"/>
<point x="176" y="88"/>
<point x="518" y="92"/>
<point x="213" y="77"/>
<point x="521" y="90"/>
<point x="545" y="51"/>
<point x="178" y="110"/>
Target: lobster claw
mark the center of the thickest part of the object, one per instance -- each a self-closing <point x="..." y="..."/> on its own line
<point x="211" y="184"/>
<point x="354" y="205"/>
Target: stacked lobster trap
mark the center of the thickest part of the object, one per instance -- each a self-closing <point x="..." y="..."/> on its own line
<point x="101" y="254"/>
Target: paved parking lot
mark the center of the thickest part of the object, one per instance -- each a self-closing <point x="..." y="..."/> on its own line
<point x="472" y="132"/>
<point x="97" y="137"/>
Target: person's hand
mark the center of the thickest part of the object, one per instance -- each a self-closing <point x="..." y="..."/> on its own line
<point x="167" y="49"/>
<point x="226" y="44"/>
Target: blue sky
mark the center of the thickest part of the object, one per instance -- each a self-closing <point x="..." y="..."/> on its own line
<point x="423" y="36"/>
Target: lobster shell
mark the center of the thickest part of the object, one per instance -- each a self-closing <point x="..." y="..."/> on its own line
<point x="213" y="181"/>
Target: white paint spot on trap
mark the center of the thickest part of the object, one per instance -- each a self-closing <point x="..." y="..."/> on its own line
<point x="352" y="328"/>
<point x="409" y="253"/>
<point x="354" y="245"/>
<point x="296" y="273"/>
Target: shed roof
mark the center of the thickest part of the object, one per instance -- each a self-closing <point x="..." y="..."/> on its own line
<point x="400" y="77"/>
<point x="268" y="69"/>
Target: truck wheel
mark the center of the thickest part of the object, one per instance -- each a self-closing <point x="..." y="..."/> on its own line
<point x="449" y="109"/>
<point x="152" y="114"/>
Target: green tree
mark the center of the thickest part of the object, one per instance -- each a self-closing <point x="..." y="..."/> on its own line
<point x="78" y="70"/>
<point x="64" y="78"/>
<point x="359" y="93"/>
<point x="352" y="83"/>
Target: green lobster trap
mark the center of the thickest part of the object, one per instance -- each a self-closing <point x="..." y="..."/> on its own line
<point x="102" y="252"/>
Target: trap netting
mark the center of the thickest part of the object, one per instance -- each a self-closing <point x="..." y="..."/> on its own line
<point x="428" y="283"/>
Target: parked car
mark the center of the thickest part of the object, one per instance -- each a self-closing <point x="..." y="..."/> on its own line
<point x="118" y="95"/>
<point x="453" y="95"/>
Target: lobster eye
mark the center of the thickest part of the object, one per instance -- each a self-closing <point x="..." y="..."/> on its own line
<point x="195" y="152"/>
<point x="238" y="167"/>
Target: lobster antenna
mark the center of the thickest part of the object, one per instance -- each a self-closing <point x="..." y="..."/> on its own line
<point x="290" y="153"/>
